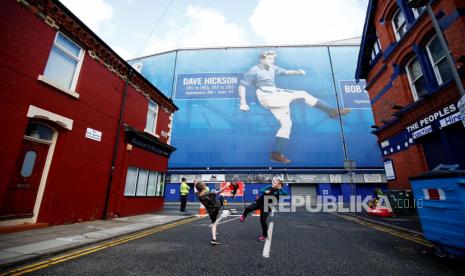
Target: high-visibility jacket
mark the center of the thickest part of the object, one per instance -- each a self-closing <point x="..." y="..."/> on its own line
<point x="184" y="189"/>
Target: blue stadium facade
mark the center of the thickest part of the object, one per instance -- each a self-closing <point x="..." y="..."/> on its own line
<point x="216" y="141"/>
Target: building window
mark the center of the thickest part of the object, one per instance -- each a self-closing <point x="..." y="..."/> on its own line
<point x="399" y="24"/>
<point x="418" y="11"/>
<point x="416" y="78"/>
<point x="152" y="184"/>
<point x="152" y="115"/>
<point x="64" y="62"/>
<point x="39" y="131"/>
<point x="438" y="61"/>
<point x="375" y="50"/>
<point x="142" y="182"/>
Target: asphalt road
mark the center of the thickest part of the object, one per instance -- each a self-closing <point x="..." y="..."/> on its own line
<point x="301" y="244"/>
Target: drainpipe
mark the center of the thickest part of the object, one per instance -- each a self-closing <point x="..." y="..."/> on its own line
<point x="115" y="148"/>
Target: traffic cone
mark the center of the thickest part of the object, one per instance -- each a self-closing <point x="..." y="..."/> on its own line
<point x="202" y="210"/>
<point x="257" y="212"/>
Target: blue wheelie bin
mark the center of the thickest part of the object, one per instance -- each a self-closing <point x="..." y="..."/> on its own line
<point x="440" y="201"/>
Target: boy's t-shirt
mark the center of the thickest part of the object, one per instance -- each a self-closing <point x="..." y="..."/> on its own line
<point x="209" y="200"/>
<point x="212" y="205"/>
<point x="273" y="193"/>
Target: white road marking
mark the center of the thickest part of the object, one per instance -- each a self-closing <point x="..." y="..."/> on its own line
<point x="267" y="247"/>
<point x="228" y="220"/>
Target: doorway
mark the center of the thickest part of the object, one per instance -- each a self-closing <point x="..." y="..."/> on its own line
<point x="23" y="187"/>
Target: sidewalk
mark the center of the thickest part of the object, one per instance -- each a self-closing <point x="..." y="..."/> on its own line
<point x="26" y="246"/>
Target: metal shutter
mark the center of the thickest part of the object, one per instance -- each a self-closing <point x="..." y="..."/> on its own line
<point x="304" y="190"/>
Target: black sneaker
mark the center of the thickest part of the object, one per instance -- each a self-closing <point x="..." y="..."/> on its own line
<point x="215" y="242"/>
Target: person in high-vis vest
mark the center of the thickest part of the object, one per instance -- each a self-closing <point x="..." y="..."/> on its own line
<point x="184" y="191"/>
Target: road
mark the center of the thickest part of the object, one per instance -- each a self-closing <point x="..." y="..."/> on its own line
<point x="302" y="244"/>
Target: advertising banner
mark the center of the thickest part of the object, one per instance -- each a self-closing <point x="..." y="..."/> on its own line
<point x="266" y="107"/>
<point x="227" y="192"/>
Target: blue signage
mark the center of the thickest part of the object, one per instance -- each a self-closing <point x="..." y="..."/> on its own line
<point x="207" y="86"/>
<point x="354" y="94"/>
<point x="443" y="117"/>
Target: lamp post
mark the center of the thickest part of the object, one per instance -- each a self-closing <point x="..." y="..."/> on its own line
<point x="442" y="41"/>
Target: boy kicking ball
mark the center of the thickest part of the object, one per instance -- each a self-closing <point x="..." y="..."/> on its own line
<point x="212" y="205"/>
<point x="273" y="190"/>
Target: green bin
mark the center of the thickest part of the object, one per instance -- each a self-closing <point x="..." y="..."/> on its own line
<point x="401" y="201"/>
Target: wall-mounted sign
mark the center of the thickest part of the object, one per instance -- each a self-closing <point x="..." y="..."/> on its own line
<point x="207" y="86"/>
<point x="435" y="121"/>
<point x="450" y="120"/>
<point x="422" y="132"/>
<point x="461" y="107"/>
<point x="213" y="177"/>
<point x="354" y="94"/>
<point x="372" y="178"/>
<point x="190" y="178"/>
<point x="335" y="178"/>
<point x="431" y="118"/>
<point x="312" y="178"/>
<point x="385" y="144"/>
<point x="389" y="168"/>
<point x="93" y="134"/>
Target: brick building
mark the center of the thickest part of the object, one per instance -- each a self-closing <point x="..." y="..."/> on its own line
<point x="84" y="135"/>
<point x="412" y="91"/>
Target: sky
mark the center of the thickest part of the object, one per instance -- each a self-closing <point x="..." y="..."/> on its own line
<point x="135" y="28"/>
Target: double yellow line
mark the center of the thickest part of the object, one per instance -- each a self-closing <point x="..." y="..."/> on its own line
<point x="89" y="250"/>
<point x="393" y="232"/>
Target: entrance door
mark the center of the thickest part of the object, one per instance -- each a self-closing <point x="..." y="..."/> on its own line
<point x="23" y="187"/>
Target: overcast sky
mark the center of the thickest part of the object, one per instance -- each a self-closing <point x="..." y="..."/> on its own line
<point x="127" y="25"/>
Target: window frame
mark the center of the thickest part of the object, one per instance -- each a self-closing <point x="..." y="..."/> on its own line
<point x="155" y="120"/>
<point x="376" y="49"/>
<point x="79" y="60"/>
<point x="159" y="179"/>
<point x="417" y="12"/>
<point x="398" y="12"/>
<point x="415" y="94"/>
<point x="433" y="64"/>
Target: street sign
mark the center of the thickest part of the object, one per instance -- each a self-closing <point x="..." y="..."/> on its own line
<point x="461" y="106"/>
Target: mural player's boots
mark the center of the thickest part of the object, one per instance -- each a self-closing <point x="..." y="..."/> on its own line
<point x="279" y="157"/>
<point x="342" y="112"/>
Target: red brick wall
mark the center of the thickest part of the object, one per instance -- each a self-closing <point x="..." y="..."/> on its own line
<point x="79" y="173"/>
<point x="121" y="205"/>
<point x="412" y="161"/>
